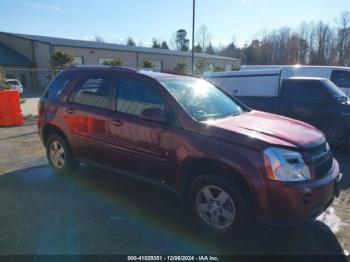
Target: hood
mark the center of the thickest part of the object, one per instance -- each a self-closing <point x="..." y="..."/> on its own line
<point x="260" y="128"/>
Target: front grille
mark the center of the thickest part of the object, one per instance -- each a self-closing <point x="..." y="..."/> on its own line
<point x="321" y="160"/>
<point x="318" y="149"/>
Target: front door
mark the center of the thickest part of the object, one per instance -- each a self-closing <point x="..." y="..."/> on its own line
<point x="341" y="79"/>
<point x="139" y="146"/>
<point x="309" y="102"/>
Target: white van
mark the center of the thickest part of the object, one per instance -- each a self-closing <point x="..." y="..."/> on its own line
<point x="251" y="82"/>
<point x="340" y="76"/>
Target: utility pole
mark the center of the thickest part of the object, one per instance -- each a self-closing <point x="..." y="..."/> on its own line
<point x="193" y="19"/>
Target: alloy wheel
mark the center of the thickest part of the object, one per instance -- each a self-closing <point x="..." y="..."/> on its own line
<point x="57" y="154"/>
<point x="215" y="207"/>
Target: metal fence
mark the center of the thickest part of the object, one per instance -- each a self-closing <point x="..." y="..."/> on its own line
<point x="30" y="78"/>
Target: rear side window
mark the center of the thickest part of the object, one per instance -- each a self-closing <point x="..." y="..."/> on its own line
<point x="306" y="91"/>
<point x="57" y="85"/>
<point x="93" y="91"/>
<point x="341" y="78"/>
<point x="134" y="96"/>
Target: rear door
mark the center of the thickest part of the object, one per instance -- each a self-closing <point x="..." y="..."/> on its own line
<point x="86" y="114"/>
<point x="308" y="101"/>
<point x="135" y="145"/>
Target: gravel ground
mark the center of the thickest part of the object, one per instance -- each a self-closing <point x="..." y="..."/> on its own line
<point x="20" y="147"/>
<point x="97" y="212"/>
<point x="341" y="206"/>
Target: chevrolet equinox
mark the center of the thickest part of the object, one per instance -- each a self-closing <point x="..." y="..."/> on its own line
<point x="228" y="162"/>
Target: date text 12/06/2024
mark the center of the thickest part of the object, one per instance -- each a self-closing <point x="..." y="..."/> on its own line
<point x="173" y="258"/>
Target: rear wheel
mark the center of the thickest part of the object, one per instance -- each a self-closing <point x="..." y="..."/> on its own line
<point x="218" y="205"/>
<point x="59" y="155"/>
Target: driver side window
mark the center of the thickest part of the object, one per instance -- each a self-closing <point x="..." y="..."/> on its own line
<point x="134" y="96"/>
<point x="341" y="78"/>
<point x="306" y="92"/>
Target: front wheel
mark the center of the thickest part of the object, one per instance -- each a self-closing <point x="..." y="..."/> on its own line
<point x="59" y="155"/>
<point x="218" y="205"/>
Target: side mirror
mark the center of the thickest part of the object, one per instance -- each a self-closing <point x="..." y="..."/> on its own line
<point x="154" y="114"/>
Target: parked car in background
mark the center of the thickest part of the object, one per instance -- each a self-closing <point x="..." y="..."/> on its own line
<point x="15" y="85"/>
<point x="227" y="162"/>
<point x="340" y="76"/>
<point x="316" y="101"/>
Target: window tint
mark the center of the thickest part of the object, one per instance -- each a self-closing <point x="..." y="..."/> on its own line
<point x="93" y="91"/>
<point x="306" y="91"/>
<point x="134" y="96"/>
<point x="57" y="85"/>
<point x="341" y="78"/>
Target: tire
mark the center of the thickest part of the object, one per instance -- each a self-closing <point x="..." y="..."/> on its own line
<point x="59" y="155"/>
<point x="348" y="143"/>
<point x="217" y="215"/>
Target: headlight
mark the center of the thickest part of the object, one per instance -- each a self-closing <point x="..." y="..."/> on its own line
<point x="285" y="165"/>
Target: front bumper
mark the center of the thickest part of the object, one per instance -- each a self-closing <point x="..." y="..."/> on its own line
<point x="298" y="202"/>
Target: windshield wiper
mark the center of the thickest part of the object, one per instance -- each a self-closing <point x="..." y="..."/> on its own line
<point x="215" y="117"/>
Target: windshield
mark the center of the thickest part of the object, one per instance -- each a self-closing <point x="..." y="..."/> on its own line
<point x="336" y="92"/>
<point x="201" y="99"/>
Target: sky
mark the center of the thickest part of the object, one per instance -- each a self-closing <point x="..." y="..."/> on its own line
<point x="116" y="20"/>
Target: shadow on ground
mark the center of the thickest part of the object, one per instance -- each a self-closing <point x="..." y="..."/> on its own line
<point x="96" y="212"/>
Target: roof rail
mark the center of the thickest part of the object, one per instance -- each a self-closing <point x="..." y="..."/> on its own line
<point x="174" y="72"/>
<point x="105" y="66"/>
<point x="89" y="65"/>
<point x="125" y="68"/>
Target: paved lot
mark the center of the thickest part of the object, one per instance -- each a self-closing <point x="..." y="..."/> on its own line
<point x="97" y="212"/>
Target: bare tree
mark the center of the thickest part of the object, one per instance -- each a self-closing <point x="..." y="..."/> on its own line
<point x="320" y="45"/>
<point x="203" y="36"/>
<point x="312" y="43"/>
<point x="304" y="34"/>
<point x="344" y="38"/>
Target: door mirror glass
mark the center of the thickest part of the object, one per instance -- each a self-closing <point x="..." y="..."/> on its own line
<point x="154" y="114"/>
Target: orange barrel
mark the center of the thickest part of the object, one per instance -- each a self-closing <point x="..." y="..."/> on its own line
<point x="6" y="121"/>
<point x="10" y="110"/>
<point x="4" y="110"/>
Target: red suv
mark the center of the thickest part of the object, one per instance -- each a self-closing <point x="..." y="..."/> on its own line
<point x="228" y="162"/>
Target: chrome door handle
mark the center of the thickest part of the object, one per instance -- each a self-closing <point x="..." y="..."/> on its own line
<point x="117" y="122"/>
